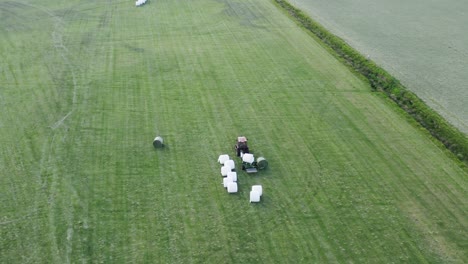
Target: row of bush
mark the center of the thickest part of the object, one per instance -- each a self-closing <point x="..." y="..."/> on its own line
<point x="382" y="81"/>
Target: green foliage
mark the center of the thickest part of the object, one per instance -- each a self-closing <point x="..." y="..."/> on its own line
<point x="381" y="80"/>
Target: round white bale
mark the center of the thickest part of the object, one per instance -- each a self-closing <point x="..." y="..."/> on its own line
<point x="232" y="175"/>
<point x="257" y="188"/>
<point x="222" y="158"/>
<point x="232" y="187"/>
<point x="254" y="197"/>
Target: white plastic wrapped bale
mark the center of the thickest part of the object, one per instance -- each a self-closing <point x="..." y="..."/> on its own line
<point x="223" y="158"/>
<point x="158" y="142"/>
<point x="257" y="188"/>
<point x="226" y="181"/>
<point x="230" y="163"/>
<point x="232" y="175"/>
<point x="254" y="197"/>
<point x="247" y="157"/>
<point x="232" y="187"/>
<point x="225" y="170"/>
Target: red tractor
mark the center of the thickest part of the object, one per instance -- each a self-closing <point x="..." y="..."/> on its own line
<point x="241" y="146"/>
<point x="248" y="161"/>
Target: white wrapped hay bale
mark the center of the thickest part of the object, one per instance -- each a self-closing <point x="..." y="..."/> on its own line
<point x="257" y="188"/>
<point x="225" y="170"/>
<point x="249" y="158"/>
<point x="140" y="2"/>
<point x="158" y="142"/>
<point x="230" y="163"/>
<point x="223" y="158"/>
<point x="262" y="163"/>
<point x="232" y="187"/>
<point x="226" y="181"/>
<point x="232" y="175"/>
<point x="254" y="197"/>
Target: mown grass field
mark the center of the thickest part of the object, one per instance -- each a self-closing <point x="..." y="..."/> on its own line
<point x="422" y="43"/>
<point x="85" y="86"/>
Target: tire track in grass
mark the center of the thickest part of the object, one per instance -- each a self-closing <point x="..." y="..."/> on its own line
<point x="337" y="184"/>
<point x="295" y="204"/>
<point x="227" y="210"/>
<point x="294" y="132"/>
<point x="307" y="152"/>
<point x="360" y="145"/>
<point x="434" y="193"/>
<point x="177" y="245"/>
<point x="151" y="229"/>
<point x="20" y="213"/>
<point x="293" y="135"/>
<point x="31" y="153"/>
<point x="162" y="157"/>
<point x="47" y="156"/>
<point x="135" y="215"/>
<point x="247" y="91"/>
<point x="57" y="41"/>
<point x="383" y="158"/>
<point x="228" y="104"/>
<point x="52" y="191"/>
<point x="90" y="174"/>
<point x="75" y="70"/>
<point x="45" y="161"/>
<point x="191" y="79"/>
<point x="207" y="104"/>
<point x="214" y="111"/>
<point x="218" y="85"/>
<point x="357" y="146"/>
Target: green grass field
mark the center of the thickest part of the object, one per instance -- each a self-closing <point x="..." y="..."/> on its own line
<point x="422" y="43"/>
<point x="85" y="86"/>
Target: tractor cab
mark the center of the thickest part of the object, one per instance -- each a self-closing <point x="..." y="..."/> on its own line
<point x="241" y="146"/>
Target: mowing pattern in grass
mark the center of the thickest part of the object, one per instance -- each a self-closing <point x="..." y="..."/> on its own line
<point x="86" y="85"/>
